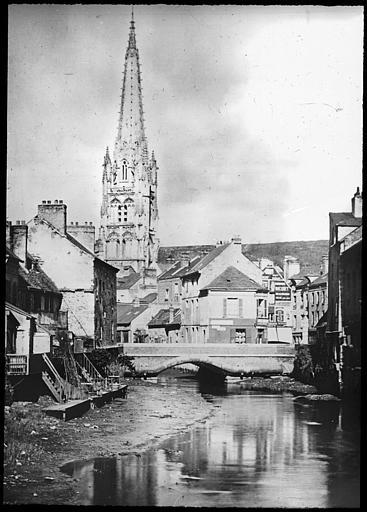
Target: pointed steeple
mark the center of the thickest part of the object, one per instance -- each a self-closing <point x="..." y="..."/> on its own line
<point x="132" y="40"/>
<point x="131" y="133"/>
<point x="107" y="159"/>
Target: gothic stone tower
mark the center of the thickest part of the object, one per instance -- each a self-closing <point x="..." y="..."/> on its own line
<point x="129" y="213"/>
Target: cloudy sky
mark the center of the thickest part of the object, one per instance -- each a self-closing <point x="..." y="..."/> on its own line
<point x="254" y="113"/>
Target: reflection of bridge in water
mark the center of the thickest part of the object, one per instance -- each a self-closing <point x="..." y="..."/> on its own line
<point x="223" y="358"/>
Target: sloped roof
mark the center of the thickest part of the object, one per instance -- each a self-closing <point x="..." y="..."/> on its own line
<point x="37" y="278"/>
<point x="164" y="267"/>
<point x="196" y="266"/>
<point x="75" y="242"/>
<point x="85" y="249"/>
<point x="319" y="281"/>
<point x="172" y="271"/>
<point x="161" y="319"/>
<point x="12" y="254"/>
<point x="20" y="311"/>
<point x="345" y="219"/>
<point x="232" y="279"/>
<point x="126" y="313"/>
<point x="126" y="282"/>
<point x="151" y="297"/>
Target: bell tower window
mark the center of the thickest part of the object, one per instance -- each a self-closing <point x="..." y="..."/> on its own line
<point x="124" y="170"/>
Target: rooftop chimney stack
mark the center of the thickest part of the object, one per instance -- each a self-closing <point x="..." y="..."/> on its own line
<point x="54" y="213"/>
<point x="291" y="266"/>
<point x="324" y="267"/>
<point x="357" y="204"/>
<point x="84" y="233"/>
<point x="19" y="239"/>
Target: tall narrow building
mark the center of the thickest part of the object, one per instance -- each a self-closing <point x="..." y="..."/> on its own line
<point x="129" y="212"/>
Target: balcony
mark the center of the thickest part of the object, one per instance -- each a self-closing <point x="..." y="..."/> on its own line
<point x="16" y="364"/>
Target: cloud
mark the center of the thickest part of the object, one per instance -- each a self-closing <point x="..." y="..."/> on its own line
<point x="234" y="100"/>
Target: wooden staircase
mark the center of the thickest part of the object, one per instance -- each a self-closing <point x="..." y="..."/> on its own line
<point x="89" y="373"/>
<point x="60" y="388"/>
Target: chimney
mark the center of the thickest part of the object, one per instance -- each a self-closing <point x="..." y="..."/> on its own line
<point x="324" y="267"/>
<point x="184" y="261"/>
<point x="237" y="244"/>
<point x="171" y="314"/>
<point x="84" y="233"/>
<point x="291" y="266"/>
<point x="19" y="239"/>
<point x="54" y="213"/>
<point x="357" y="204"/>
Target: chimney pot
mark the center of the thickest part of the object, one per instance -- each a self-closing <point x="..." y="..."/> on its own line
<point x="61" y="201"/>
<point x="48" y="202"/>
<point x="77" y="223"/>
<point x="43" y="202"/>
<point x="56" y="201"/>
<point x="91" y="223"/>
<point x="357" y="204"/>
<point x="86" y="223"/>
<point x="22" y="222"/>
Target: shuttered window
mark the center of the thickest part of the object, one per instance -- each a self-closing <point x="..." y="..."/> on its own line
<point x="240" y="308"/>
<point x="224" y="308"/>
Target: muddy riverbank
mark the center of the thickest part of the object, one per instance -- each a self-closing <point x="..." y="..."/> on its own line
<point x="36" y="446"/>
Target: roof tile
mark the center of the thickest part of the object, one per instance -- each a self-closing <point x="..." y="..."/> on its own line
<point x="232" y="279"/>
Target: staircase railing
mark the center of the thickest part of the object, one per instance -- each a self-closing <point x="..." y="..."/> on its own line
<point x="54" y="386"/>
<point x="89" y="372"/>
<point x="59" y="387"/>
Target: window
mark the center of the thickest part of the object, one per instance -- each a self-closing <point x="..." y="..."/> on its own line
<point x="233" y="307"/>
<point x="176" y="292"/>
<point x="166" y="297"/>
<point x="262" y="308"/>
<point x="124" y="170"/>
<point x="279" y="315"/>
<point x="240" y="336"/>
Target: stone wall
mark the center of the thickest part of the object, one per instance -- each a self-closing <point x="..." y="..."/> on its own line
<point x="105" y="309"/>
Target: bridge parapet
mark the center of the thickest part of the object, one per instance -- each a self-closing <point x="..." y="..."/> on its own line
<point x="208" y="349"/>
<point x="230" y="359"/>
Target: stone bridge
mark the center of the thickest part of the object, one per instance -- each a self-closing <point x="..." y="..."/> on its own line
<point x="224" y="358"/>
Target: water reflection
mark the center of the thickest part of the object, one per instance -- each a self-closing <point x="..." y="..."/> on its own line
<point x="259" y="450"/>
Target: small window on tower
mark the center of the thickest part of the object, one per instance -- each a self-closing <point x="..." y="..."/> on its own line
<point x="124" y="170"/>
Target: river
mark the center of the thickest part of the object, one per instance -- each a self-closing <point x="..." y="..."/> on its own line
<point x="257" y="450"/>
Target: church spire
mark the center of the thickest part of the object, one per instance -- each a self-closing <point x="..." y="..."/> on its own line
<point x="131" y="132"/>
<point x="132" y="40"/>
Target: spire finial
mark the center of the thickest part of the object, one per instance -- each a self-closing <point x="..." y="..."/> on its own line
<point x="132" y="41"/>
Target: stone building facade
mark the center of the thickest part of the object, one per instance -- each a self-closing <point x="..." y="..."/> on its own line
<point x="88" y="284"/>
<point x="197" y="317"/>
<point x="129" y="211"/>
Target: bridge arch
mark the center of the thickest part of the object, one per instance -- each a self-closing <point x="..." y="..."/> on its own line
<point x="222" y="359"/>
<point x="203" y="363"/>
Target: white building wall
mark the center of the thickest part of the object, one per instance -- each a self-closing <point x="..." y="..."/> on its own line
<point x="67" y="265"/>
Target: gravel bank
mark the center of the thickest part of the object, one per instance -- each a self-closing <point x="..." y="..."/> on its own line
<point x="40" y="445"/>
